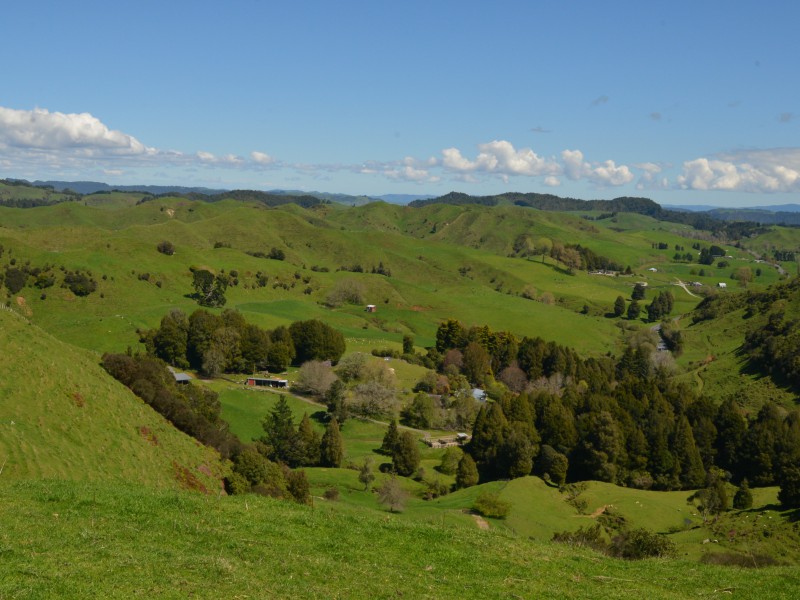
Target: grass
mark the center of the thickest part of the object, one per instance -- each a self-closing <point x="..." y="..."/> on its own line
<point x="118" y="541"/>
<point x="62" y="416"/>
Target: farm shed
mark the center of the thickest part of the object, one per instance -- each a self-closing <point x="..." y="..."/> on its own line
<point x="271" y="382"/>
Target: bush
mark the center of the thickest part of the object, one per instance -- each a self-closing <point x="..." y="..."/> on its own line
<point x="642" y="543"/>
<point x="332" y="494"/>
<point x="166" y="247"/>
<point x="591" y="537"/>
<point x="490" y="505"/>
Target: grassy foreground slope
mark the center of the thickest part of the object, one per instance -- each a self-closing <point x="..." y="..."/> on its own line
<point x="115" y="541"/>
<point x="62" y="416"/>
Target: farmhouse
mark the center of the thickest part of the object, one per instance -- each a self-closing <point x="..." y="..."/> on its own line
<point x="272" y="382"/>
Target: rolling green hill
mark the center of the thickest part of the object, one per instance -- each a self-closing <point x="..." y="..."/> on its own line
<point x="62" y="416"/>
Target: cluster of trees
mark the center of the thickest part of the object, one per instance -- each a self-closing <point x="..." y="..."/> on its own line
<point x="660" y="307"/>
<point x="774" y="347"/>
<point x="227" y="343"/>
<point x="15" y="277"/>
<point x="300" y="446"/>
<point x="619" y="421"/>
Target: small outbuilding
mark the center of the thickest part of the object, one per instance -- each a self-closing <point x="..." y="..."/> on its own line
<point x="182" y="378"/>
<point x="371" y="308"/>
<point x="271" y="382"/>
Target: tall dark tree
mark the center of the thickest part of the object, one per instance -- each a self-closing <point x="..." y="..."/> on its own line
<point x="638" y="292"/>
<point x="171" y="340"/>
<point x="390" y="439"/>
<point x="634" y="310"/>
<point x="405" y="458"/>
<point x="335" y="400"/>
<point x="310" y="441"/>
<point x="280" y="435"/>
<point x="315" y="340"/>
<point x="619" y="306"/>
<point x="408" y="344"/>
<point x="692" y="472"/>
<point x="731" y="430"/>
<point x="331" y="449"/>
<point x="467" y="473"/>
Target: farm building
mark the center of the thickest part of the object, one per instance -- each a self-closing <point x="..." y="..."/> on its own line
<point x="182" y="378"/>
<point x="271" y="382"/>
<point x="447" y="442"/>
<point x="371" y="308"/>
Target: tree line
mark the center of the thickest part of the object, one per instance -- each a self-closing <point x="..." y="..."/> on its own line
<point x="226" y="343"/>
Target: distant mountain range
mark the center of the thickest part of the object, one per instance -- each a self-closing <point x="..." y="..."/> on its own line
<point x="92" y="187"/>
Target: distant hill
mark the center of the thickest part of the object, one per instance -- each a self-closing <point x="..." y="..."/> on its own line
<point x="92" y="187"/>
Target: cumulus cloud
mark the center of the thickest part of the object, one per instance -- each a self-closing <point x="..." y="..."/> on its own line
<point x="55" y="141"/>
<point x="552" y="181"/>
<point x="604" y="173"/>
<point x="500" y="157"/>
<point x="40" y="129"/>
<point x="772" y="170"/>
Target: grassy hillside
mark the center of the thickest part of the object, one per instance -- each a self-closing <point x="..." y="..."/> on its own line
<point x="62" y="416"/>
<point x="123" y="541"/>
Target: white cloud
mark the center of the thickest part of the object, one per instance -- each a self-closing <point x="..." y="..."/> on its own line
<point x="605" y="173"/>
<point x="40" y="129"/>
<point x="261" y="158"/>
<point x="552" y="181"/>
<point x="762" y="171"/>
<point x="500" y="157"/>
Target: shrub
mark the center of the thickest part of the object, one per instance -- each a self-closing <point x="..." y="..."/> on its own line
<point x="490" y="505"/>
<point x="591" y="537"/>
<point x="637" y="544"/>
<point x="332" y="494"/>
<point x="166" y="247"/>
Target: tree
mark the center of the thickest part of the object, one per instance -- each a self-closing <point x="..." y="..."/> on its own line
<point x="552" y="465"/>
<point x="477" y="363"/>
<point x="789" y="482"/>
<point x="421" y="413"/>
<point x="335" y="400"/>
<point x="743" y="498"/>
<point x="712" y="499"/>
<point x="467" y="473"/>
<point x="405" y="458"/>
<point x="634" y="310"/>
<point x="166" y="247"/>
<point x="638" y="292"/>
<point x="450" y="459"/>
<point x="209" y="288"/>
<point x="280" y="435"/>
<point x="391" y="494"/>
<point x="365" y="474"/>
<point x="692" y="473"/>
<point x="171" y="340"/>
<point x="331" y="451"/>
<point x="315" y="377"/>
<point x="408" y="344"/>
<point x="310" y="441"/>
<point x="744" y="275"/>
<point x="619" y="306"/>
<point x="390" y="439"/>
<point x="315" y="340"/>
<point x="373" y="399"/>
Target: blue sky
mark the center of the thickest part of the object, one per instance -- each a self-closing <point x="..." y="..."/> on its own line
<point x="683" y="102"/>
